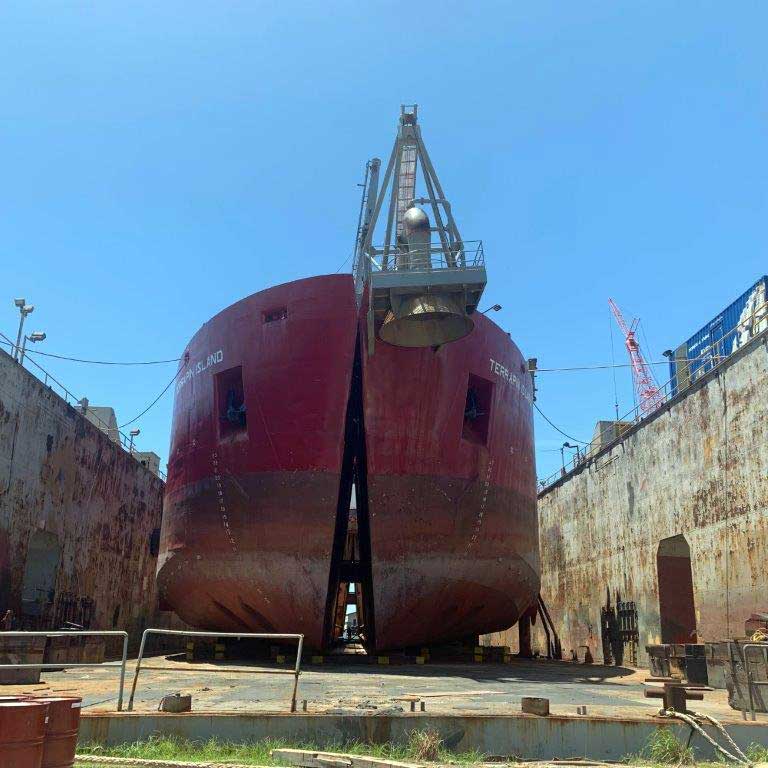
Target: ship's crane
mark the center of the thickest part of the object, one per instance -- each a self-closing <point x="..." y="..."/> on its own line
<point x="648" y="394"/>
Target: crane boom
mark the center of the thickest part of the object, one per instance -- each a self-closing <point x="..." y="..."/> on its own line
<point x="648" y="394"/>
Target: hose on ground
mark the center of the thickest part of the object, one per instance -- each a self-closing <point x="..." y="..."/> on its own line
<point x="692" y="719"/>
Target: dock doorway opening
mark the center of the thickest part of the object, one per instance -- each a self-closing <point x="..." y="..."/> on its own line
<point x="37" y="591"/>
<point x="677" y="610"/>
<point x="349" y="623"/>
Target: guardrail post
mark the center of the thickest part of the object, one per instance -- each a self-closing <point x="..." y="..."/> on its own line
<point x="138" y="667"/>
<point x="297" y="672"/>
<point x="122" y="674"/>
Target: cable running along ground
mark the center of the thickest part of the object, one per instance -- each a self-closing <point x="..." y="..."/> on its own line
<point x="565" y="434"/>
<point x="155" y="401"/>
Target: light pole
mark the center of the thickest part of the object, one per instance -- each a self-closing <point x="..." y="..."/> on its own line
<point x="24" y="310"/>
<point x="494" y="308"/>
<point x="562" y="455"/>
<point x="33" y="337"/>
<point x="576" y="447"/>
<point x="133" y="433"/>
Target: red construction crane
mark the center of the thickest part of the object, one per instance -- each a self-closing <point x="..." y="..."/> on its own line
<point x="648" y="393"/>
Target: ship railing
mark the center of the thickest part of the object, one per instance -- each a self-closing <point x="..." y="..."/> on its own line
<point x="467" y="255"/>
<point x="708" y="362"/>
<point x="79" y="404"/>
<point x="72" y="665"/>
<point x="295" y="672"/>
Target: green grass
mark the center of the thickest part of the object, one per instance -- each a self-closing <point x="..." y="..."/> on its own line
<point x="422" y="746"/>
<point x="757" y="753"/>
<point x="664" y="749"/>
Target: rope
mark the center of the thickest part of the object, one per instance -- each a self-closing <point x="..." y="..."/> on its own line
<point x="7" y="342"/>
<point x="155" y="401"/>
<point x="692" y="719"/>
<point x="570" y="437"/>
<point x="720" y="727"/>
<point x="100" y="362"/>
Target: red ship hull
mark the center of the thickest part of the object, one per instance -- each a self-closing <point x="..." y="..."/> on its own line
<point x="257" y="472"/>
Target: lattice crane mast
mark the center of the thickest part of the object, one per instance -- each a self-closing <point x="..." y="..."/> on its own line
<point x="420" y="293"/>
<point x="648" y="394"/>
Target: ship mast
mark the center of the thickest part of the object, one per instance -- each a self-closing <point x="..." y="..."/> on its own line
<point x="420" y="293"/>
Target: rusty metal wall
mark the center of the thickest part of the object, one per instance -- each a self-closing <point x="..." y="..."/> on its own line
<point x="66" y="487"/>
<point x="698" y="467"/>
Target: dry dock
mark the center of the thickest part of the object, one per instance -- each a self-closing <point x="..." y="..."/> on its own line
<point x="471" y="706"/>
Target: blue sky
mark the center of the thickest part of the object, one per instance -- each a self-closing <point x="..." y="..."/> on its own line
<point x="162" y="160"/>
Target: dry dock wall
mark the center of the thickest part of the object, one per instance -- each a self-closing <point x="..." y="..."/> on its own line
<point x="671" y="521"/>
<point x="79" y="516"/>
<point x="523" y="736"/>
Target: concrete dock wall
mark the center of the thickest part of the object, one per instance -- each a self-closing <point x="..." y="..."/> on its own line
<point x="526" y="736"/>
<point x="673" y="518"/>
<point x="79" y="516"/>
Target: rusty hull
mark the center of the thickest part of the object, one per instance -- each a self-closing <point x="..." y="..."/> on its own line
<point x="453" y="521"/>
<point x="264" y="572"/>
<point x="251" y="518"/>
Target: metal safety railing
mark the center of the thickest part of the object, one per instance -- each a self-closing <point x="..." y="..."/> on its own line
<point x="667" y="391"/>
<point x="468" y="255"/>
<point x="72" y="665"/>
<point x="193" y="633"/>
<point x="751" y="682"/>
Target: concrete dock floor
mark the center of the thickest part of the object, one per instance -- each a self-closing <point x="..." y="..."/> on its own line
<point x="458" y="689"/>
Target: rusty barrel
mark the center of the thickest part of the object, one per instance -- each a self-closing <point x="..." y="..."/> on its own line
<point x="61" y="731"/>
<point x="22" y="733"/>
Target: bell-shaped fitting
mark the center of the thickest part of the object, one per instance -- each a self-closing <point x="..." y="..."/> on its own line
<point x="428" y="320"/>
<point x="418" y="235"/>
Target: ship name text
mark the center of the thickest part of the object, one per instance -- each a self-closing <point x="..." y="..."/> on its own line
<point x="512" y="378"/>
<point x="197" y="368"/>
